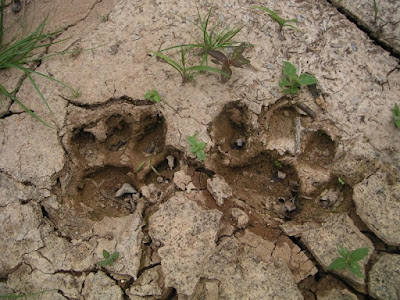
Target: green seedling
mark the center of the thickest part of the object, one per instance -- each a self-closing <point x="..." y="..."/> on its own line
<point x="17" y="53"/>
<point x="213" y="38"/>
<point x="282" y="22"/>
<point x="349" y="260"/>
<point x="341" y="181"/>
<point x="292" y="82"/>
<point x="396" y="115"/>
<point x="151" y="167"/>
<point x="109" y="259"/>
<point x="152" y="96"/>
<point x="376" y="11"/>
<point x="197" y="147"/>
<point x="236" y="59"/>
<point x="187" y="73"/>
<point x="278" y="164"/>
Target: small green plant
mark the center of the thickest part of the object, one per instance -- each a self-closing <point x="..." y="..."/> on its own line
<point x="109" y="259"/>
<point x="17" y="53"/>
<point x="278" y="164"/>
<point x="151" y="167"/>
<point x="292" y="82"/>
<point x="376" y="11"/>
<point x="282" y="22"/>
<point x="187" y="73"/>
<point x="341" y="181"/>
<point x="349" y="260"/>
<point x="152" y="96"/>
<point x="396" y="115"/>
<point x="197" y="147"/>
<point x="217" y="37"/>
<point x="236" y="59"/>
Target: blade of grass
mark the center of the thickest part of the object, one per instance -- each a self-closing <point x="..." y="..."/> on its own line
<point x="25" y="108"/>
<point x="168" y="60"/>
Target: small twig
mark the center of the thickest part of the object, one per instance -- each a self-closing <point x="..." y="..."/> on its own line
<point x="306" y="109"/>
<point x="298" y="135"/>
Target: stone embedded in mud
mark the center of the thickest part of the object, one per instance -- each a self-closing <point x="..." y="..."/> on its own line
<point x="147" y="284"/>
<point x="242" y="275"/>
<point x="384" y="277"/>
<point x="284" y="249"/>
<point x="126" y="188"/>
<point x="240" y="217"/>
<point x="219" y="189"/>
<point x="187" y="234"/>
<point x="329" y="288"/>
<point x="123" y="234"/>
<point x="100" y="286"/>
<point x="378" y="205"/>
<point x="338" y="229"/>
<point x="181" y="179"/>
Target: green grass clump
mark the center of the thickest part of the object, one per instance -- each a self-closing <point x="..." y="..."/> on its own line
<point x="19" y="53"/>
<point x="292" y="82"/>
<point x="187" y="73"/>
<point x="349" y="260"/>
<point x="282" y="22"/>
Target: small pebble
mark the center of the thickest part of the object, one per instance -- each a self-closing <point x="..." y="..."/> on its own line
<point x="281" y="175"/>
<point x="354" y="46"/>
<point x="125" y="189"/>
<point x="171" y="162"/>
<point x="160" y="179"/>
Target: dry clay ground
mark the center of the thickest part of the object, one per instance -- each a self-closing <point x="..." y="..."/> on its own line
<point x="262" y="217"/>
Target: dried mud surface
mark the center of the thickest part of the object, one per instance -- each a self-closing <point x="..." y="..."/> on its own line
<point x="286" y="179"/>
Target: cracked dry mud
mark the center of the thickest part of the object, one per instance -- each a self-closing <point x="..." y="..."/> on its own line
<point x="263" y="216"/>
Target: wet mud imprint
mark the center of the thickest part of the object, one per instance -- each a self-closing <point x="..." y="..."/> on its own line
<point x="108" y="147"/>
<point x="282" y="168"/>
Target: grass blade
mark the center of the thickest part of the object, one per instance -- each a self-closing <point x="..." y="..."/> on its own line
<point x="169" y="61"/>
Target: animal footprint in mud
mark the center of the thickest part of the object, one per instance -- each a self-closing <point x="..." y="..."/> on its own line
<point x="106" y="144"/>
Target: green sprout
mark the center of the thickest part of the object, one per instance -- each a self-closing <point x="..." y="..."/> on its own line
<point x="278" y="164"/>
<point x="152" y="96"/>
<point x="396" y="115"/>
<point x="215" y="38"/>
<point x="187" y="73"/>
<point x="109" y="259"/>
<point x="17" y="53"/>
<point x="341" y="181"/>
<point x="349" y="260"/>
<point x="292" y="82"/>
<point x="151" y="167"/>
<point x="282" y="22"/>
<point x="236" y="59"/>
<point x="376" y="11"/>
<point x="197" y="147"/>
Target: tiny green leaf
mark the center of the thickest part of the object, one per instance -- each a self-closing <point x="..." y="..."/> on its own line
<point x="288" y="68"/>
<point x="201" y="155"/>
<point x="106" y="254"/>
<point x="140" y="166"/>
<point x="307" y="79"/>
<point x="115" y="256"/>
<point x="338" y="263"/>
<point x="341" y="181"/>
<point x="358" y="254"/>
<point x="356" y="270"/>
<point x="284" y="83"/>
<point x="396" y="115"/>
<point x="344" y="252"/>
